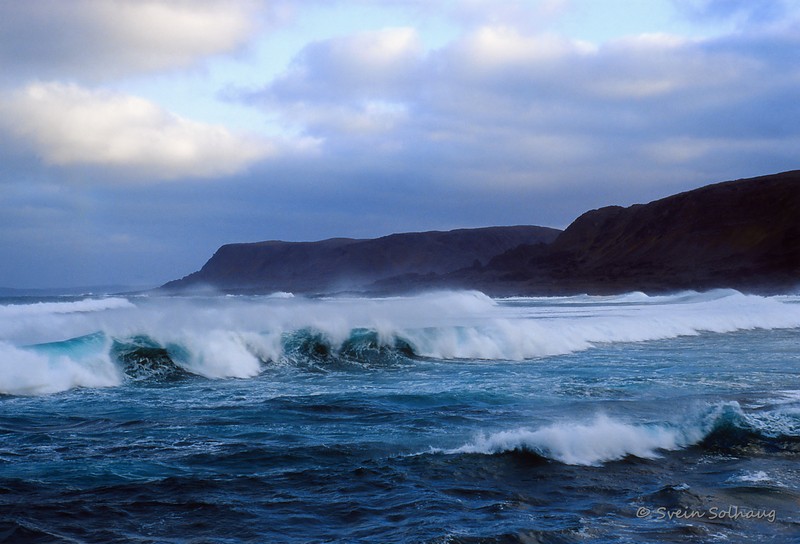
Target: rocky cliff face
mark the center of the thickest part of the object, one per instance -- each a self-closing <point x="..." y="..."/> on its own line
<point x="343" y="264"/>
<point x="743" y="234"/>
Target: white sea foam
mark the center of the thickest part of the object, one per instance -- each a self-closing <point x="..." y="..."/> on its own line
<point x="220" y="353"/>
<point x="22" y="324"/>
<point x="25" y="372"/>
<point x="517" y="333"/>
<point x="605" y="439"/>
<point x="601" y="440"/>
<point x="784" y="421"/>
<point x="757" y="477"/>
<point x="11" y="311"/>
<point x="789" y="396"/>
<point x="233" y="336"/>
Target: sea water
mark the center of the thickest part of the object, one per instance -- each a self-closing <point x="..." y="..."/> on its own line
<point x="445" y="417"/>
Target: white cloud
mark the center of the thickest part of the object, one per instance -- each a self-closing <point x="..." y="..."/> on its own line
<point x="379" y="50"/>
<point x="364" y="63"/>
<point x="71" y="125"/>
<point x="503" y="46"/>
<point x="519" y="13"/>
<point x="514" y="104"/>
<point x="347" y="84"/>
<point x="99" y="39"/>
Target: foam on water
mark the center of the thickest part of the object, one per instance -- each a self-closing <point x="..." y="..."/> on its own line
<point x="26" y="372"/>
<point x="527" y="332"/>
<point x="320" y="446"/>
<point x="12" y="311"/>
<point x="220" y="353"/>
<point x="757" y="478"/>
<point x="593" y="443"/>
<point x="606" y="439"/>
<point x="222" y="337"/>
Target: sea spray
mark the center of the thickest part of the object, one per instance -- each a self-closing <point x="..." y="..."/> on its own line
<point x="28" y="372"/>
<point x="224" y="337"/>
<point x="315" y="439"/>
<point x="601" y="440"/>
<point x="217" y="353"/>
<point x="604" y="439"/>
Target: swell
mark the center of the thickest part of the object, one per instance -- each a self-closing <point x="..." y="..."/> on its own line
<point x="717" y="428"/>
<point x="364" y="348"/>
<point x="96" y="360"/>
<point x="113" y="340"/>
<point x="51" y="368"/>
<point x="86" y="305"/>
<point x="140" y="358"/>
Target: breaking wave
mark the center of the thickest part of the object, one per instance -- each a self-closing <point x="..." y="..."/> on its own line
<point x="32" y="372"/>
<point x="53" y="346"/>
<point x="13" y="311"/>
<point x="96" y="360"/>
<point x="720" y="427"/>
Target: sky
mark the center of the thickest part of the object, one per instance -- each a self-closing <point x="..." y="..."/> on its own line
<point x="140" y="135"/>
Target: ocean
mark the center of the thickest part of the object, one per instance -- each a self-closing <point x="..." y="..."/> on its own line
<point x="446" y="417"/>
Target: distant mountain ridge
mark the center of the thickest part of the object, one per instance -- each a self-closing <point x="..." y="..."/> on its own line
<point x="345" y="264"/>
<point x="742" y="234"/>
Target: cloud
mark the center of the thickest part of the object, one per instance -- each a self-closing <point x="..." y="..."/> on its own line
<point x="101" y="39"/>
<point x="519" y="13"/>
<point x="363" y="64"/>
<point x="68" y="125"/>
<point x="348" y="84"/>
<point x="505" y="120"/>
<point x="501" y="104"/>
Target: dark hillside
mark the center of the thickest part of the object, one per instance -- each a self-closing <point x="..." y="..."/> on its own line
<point x="342" y="264"/>
<point x="743" y="234"/>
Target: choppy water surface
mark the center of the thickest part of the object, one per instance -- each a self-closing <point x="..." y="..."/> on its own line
<point x="446" y="417"/>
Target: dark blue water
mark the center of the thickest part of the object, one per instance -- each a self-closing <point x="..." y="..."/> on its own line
<point x="441" y="418"/>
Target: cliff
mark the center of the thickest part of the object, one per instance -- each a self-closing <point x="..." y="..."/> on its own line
<point x="742" y="234"/>
<point x="343" y="264"/>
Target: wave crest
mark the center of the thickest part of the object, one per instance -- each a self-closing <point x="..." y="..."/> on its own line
<point x="601" y="440"/>
<point x="28" y="372"/>
<point x="221" y="337"/>
<point x="11" y="311"/>
<point x="605" y="439"/>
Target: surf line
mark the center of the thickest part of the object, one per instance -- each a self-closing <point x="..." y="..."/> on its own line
<point x="730" y="512"/>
